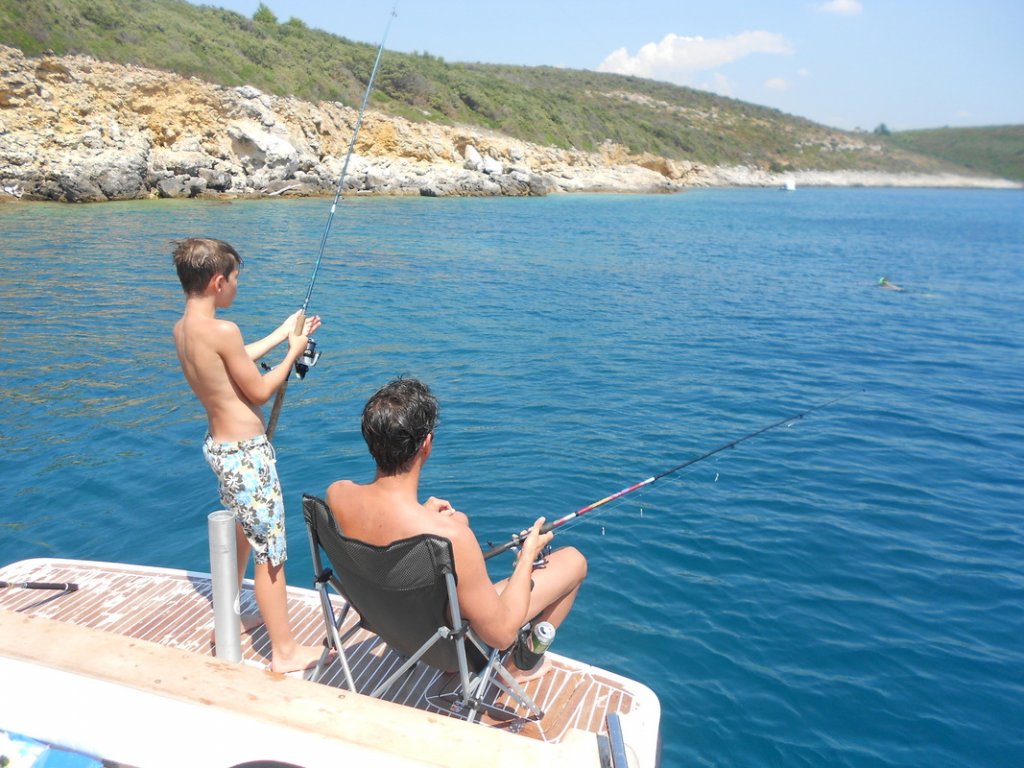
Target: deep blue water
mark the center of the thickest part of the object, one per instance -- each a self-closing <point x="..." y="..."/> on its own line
<point x="847" y="590"/>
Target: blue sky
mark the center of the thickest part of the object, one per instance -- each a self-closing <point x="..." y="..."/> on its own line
<point x="844" y="63"/>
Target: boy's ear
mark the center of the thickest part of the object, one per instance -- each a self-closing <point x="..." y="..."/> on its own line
<point x="216" y="283"/>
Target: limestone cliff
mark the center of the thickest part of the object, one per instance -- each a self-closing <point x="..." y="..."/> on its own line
<point x="77" y="129"/>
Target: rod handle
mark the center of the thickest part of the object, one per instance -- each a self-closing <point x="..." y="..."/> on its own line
<point x="517" y="539"/>
<point x="275" y="412"/>
<point x="495" y="551"/>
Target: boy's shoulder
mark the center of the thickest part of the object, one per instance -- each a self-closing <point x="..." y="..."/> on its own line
<point x="192" y="323"/>
<point x="213" y="331"/>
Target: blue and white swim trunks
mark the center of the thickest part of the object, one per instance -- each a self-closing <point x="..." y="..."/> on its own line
<point x="249" y="487"/>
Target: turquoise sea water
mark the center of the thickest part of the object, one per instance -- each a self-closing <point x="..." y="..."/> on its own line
<point x="847" y="590"/>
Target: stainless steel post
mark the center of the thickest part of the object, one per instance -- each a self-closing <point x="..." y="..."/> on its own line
<point x="227" y="623"/>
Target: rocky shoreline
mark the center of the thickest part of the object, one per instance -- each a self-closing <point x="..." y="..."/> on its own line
<point x="76" y="129"/>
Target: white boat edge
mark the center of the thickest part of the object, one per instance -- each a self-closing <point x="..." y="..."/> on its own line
<point x="119" y="698"/>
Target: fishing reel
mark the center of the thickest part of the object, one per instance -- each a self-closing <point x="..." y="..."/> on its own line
<point x="515" y="545"/>
<point x="541" y="561"/>
<point x="309" y="357"/>
<point x="542" y="557"/>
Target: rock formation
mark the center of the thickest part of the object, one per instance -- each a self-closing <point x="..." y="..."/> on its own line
<point x="77" y="129"/>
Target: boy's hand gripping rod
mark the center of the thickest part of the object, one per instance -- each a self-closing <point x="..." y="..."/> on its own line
<point x="518" y="538"/>
<point x="311" y="355"/>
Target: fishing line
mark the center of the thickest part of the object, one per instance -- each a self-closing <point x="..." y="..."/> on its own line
<point x="348" y="156"/>
<point x="518" y="538"/>
<point x="310" y="357"/>
<point x="615" y="506"/>
<point x="618" y="504"/>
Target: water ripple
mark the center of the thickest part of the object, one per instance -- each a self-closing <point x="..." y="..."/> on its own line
<point x="844" y="590"/>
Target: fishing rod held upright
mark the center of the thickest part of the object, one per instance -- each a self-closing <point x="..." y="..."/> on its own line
<point x="311" y="355"/>
<point x="518" y="538"/>
<point x="348" y="156"/>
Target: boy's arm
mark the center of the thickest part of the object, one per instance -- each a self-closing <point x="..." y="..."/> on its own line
<point x="254" y="386"/>
<point x="257" y="349"/>
<point x="495" y="618"/>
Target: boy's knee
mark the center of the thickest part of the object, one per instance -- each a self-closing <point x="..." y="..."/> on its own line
<point x="576" y="562"/>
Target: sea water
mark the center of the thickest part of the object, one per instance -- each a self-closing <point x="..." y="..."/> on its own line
<point x="844" y="589"/>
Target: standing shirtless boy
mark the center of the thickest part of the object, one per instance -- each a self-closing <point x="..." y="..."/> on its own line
<point x="221" y="369"/>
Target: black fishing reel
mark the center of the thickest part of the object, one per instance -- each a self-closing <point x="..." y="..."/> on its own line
<point x="307" y="359"/>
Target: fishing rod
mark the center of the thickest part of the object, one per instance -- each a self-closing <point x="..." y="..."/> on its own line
<point x="519" y="538"/>
<point x="63" y="586"/>
<point x="310" y="357"/>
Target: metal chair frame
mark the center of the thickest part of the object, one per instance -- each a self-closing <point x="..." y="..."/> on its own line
<point x="474" y="687"/>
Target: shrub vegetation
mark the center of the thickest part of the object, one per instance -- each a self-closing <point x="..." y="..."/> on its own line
<point x="561" y="107"/>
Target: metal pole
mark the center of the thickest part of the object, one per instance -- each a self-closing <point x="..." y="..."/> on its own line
<point x="227" y="623"/>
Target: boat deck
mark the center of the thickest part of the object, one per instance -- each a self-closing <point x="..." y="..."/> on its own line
<point x="174" y="608"/>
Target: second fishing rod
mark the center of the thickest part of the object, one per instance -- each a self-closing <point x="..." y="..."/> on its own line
<point x="312" y="355"/>
<point x="518" y="538"/>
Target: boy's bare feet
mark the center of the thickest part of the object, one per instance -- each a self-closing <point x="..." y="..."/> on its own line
<point x="301" y="658"/>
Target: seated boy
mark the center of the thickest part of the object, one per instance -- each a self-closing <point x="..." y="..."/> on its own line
<point x="398" y="426"/>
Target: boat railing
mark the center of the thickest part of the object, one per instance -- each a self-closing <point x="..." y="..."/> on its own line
<point x="616" y="756"/>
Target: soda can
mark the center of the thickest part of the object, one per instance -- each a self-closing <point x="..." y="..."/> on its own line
<point x="542" y="636"/>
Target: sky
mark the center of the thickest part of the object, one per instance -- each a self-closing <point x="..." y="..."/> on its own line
<point x="850" y="64"/>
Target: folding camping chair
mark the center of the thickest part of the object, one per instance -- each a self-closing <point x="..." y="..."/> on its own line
<point x="405" y="593"/>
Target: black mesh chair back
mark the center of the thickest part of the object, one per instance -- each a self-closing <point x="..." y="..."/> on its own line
<point x="399" y="590"/>
<point x="406" y="594"/>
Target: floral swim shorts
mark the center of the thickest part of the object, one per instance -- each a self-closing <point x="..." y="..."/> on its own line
<point x="249" y="487"/>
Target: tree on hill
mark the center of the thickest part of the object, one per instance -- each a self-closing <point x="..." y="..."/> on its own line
<point x="264" y="15"/>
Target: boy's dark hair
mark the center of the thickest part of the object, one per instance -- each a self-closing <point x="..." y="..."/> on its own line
<point x="197" y="259"/>
<point x="396" y="421"/>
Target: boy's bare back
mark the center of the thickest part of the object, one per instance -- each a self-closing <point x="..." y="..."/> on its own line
<point x="217" y="363"/>
<point x="209" y="350"/>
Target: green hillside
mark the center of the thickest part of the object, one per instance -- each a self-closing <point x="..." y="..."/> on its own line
<point x="998" y="150"/>
<point x="545" y="105"/>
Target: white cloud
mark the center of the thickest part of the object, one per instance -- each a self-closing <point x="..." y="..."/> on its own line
<point x="776" y="84"/>
<point x="842" y="7"/>
<point x="676" y="58"/>
<point x="804" y="72"/>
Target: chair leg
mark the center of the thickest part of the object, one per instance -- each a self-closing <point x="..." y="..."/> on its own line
<point x="495" y="664"/>
<point x="381" y="689"/>
<point x="494" y="673"/>
<point x="334" y="639"/>
<point x="513" y="689"/>
<point x="344" y="665"/>
<point x="473" y="693"/>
